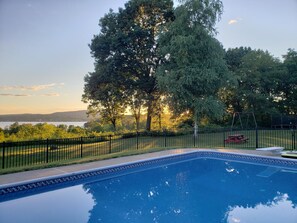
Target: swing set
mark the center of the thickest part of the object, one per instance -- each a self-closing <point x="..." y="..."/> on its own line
<point x="250" y="120"/>
<point x="240" y="138"/>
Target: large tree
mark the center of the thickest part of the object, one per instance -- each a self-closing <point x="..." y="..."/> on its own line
<point x="104" y="98"/>
<point x="229" y="94"/>
<point x="126" y="49"/>
<point x="257" y="81"/>
<point x="287" y="84"/>
<point x="193" y="67"/>
<point x="255" y="72"/>
<point x="103" y="89"/>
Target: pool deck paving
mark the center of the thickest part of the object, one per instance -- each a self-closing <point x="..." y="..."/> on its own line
<point x="20" y="177"/>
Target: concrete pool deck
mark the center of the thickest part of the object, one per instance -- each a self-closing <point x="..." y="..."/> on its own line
<point x="56" y="171"/>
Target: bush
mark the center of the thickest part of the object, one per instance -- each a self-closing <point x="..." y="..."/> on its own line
<point x="129" y="135"/>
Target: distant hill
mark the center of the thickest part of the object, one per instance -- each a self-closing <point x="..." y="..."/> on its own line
<point x="70" y="116"/>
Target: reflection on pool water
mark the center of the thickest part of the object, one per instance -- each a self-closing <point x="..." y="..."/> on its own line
<point x="280" y="208"/>
<point x="198" y="190"/>
<point x="66" y="205"/>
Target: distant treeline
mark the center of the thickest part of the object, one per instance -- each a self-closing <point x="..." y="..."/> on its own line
<point x="20" y="132"/>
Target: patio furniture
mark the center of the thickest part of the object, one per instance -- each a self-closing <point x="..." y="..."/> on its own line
<point x="237" y="138"/>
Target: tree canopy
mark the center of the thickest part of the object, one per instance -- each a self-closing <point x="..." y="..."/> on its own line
<point x="193" y="67"/>
<point x="125" y="57"/>
<point x="149" y="55"/>
<point x="264" y="85"/>
<point x="286" y="90"/>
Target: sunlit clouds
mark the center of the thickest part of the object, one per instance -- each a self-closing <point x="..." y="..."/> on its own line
<point x="14" y="90"/>
<point x="15" y="95"/>
<point x="234" y="21"/>
<point x="51" y="95"/>
<point x="30" y="88"/>
<point x="29" y="95"/>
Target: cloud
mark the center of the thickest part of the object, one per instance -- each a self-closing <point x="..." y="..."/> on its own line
<point x="29" y="95"/>
<point x="51" y="95"/>
<point x="15" y="95"/>
<point x="233" y="21"/>
<point x="30" y="88"/>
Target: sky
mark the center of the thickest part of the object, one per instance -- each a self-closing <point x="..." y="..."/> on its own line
<point x="44" y="53"/>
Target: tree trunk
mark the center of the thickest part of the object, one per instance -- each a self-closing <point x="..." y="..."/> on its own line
<point x="114" y="124"/>
<point x="149" y="116"/>
<point x="195" y="129"/>
<point x="160" y="121"/>
<point x="136" y="115"/>
<point x="137" y="120"/>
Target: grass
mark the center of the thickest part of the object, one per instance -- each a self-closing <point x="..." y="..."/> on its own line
<point x="83" y="160"/>
<point x="21" y="157"/>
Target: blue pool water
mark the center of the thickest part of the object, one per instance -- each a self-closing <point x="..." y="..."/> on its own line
<point x="193" y="189"/>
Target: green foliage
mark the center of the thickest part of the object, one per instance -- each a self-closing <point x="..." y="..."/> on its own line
<point x="17" y="132"/>
<point x="287" y="84"/>
<point x="76" y="130"/>
<point x="256" y="73"/>
<point x="257" y="81"/>
<point x="202" y="13"/>
<point x="229" y="94"/>
<point x="94" y="125"/>
<point x="103" y="96"/>
<point x="234" y="57"/>
<point x="193" y="68"/>
<point x="2" y="136"/>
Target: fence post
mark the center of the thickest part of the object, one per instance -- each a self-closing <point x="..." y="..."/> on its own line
<point x="47" y="146"/>
<point x="194" y="137"/>
<point x="165" y="140"/>
<point x="3" y="155"/>
<point x="224" y="137"/>
<point x="257" y="138"/>
<point x="109" y="143"/>
<point x="293" y="139"/>
<point x="81" y="147"/>
<point x="137" y="141"/>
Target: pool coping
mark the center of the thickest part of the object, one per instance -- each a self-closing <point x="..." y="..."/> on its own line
<point x="15" y="179"/>
<point x="32" y="175"/>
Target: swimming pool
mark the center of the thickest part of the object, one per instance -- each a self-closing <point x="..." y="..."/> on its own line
<point x="195" y="187"/>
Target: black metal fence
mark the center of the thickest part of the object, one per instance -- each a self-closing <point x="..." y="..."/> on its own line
<point x="29" y="153"/>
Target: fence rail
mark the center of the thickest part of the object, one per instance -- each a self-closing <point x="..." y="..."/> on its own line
<point x="30" y="153"/>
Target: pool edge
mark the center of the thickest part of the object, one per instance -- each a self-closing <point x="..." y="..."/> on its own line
<point x="81" y="175"/>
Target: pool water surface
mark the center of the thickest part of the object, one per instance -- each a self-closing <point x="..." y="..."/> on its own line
<point x="194" y="189"/>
